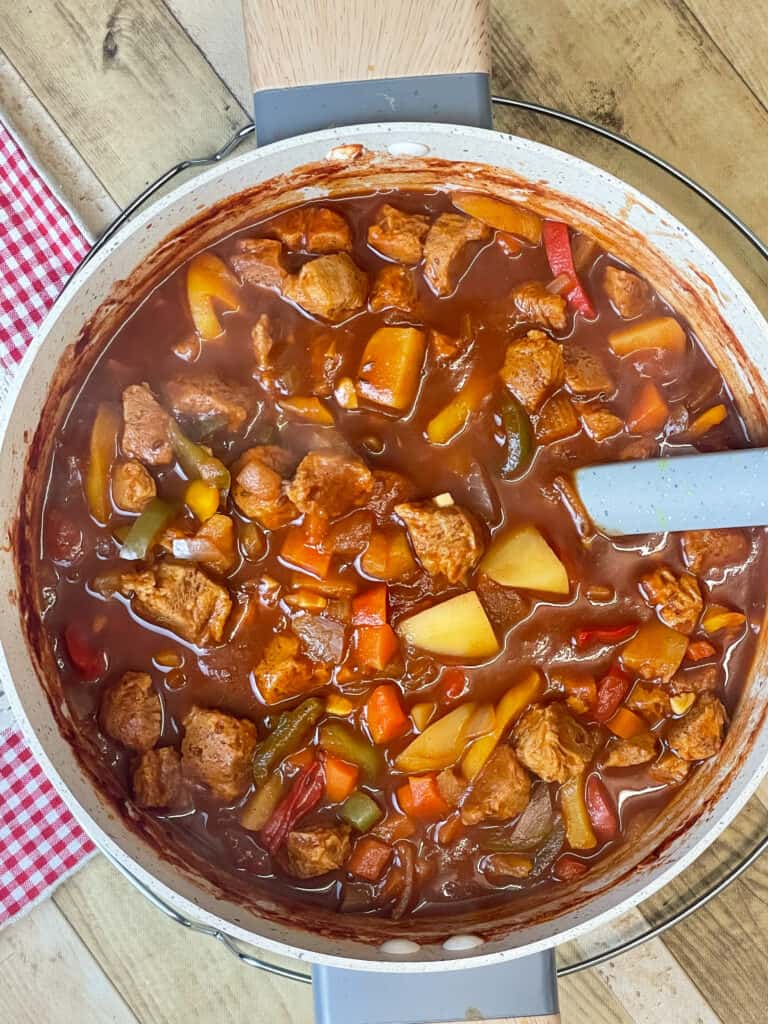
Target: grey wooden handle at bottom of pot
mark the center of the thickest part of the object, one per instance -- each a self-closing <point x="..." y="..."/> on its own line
<point x="522" y="991"/>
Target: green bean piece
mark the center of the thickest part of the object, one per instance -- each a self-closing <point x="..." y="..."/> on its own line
<point x="289" y="733"/>
<point x="197" y="461"/>
<point x="360" y="811"/>
<point x="519" y="441"/>
<point x="156" y="516"/>
<point x="342" y="741"/>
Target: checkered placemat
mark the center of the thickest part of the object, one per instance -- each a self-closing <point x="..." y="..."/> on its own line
<point x="40" y="246"/>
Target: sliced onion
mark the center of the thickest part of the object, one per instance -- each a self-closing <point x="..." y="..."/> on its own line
<point x="195" y="549"/>
<point x="535" y="823"/>
<point x="562" y="284"/>
<point x="481" y="722"/>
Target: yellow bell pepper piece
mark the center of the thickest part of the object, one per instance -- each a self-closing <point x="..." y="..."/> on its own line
<point x="209" y="278"/>
<point x="202" y="499"/>
<point x="717" y="617"/>
<point x="510" y="707"/>
<point x="452" y="419"/>
<point x="308" y="407"/>
<point x="707" y="420"/>
<point x="440" y="745"/>
<point x="106" y="427"/>
<point x="578" y="827"/>
<point x="339" y="705"/>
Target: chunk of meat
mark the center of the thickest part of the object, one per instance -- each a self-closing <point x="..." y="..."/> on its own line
<point x="313" y="229"/>
<point x="452" y="788"/>
<point x="445" y="243"/>
<point x="284" y="671"/>
<point x="699" y="734"/>
<point x="500" y="791"/>
<point x="677" y="599"/>
<point x="349" y="536"/>
<point x="552" y="743"/>
<point x="315" y="851"/>
<point x="157" y="778"/>
<point x="445" y="348"/>
<point x="557" y="419"/>
<point x="331" y="287"/>
<point x="533" y="369"/>
<point x="389" y="489"/>
<point x="695" y="680"/>
<point x="601" y="424"/>
<point x="639" y="448"/>
<point x="259" y="487"/>
<point x="259" y="261"/>
<point x="707" y="549"/>
<point x="393" y="288"/>
<point x="180" y="598"/>
<point x="262" y="343"/>
<point x="203" y="395"/>
<point x="669" y="768"/>
<point x="538" y="306"/>
<point x="132" y="485"/>
<point x="629" y="294"/>
<point x="328" y="484"/>
<point x="398" y="235"/>
<point x="626" y="753"/>
<point x="447" y="541"/>
<point x="325" y="359"/>
<point x="131" y="713"/>
<point x="146" y="427"/>
<point x="217" y="751"/>
<point x="505" y="606"/>
<point x="585" y="372"/>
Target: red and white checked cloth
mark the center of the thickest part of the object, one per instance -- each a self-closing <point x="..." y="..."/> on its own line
<point x="40" y="246"/>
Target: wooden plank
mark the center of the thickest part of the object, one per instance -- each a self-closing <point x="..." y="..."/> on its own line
<point x="48" y="976"/>
<point x="584" y="997"/>
<point x="53" y="153"/>
<point x="166" y="973"/>
<point x="134" y="93"/>
<point x="219" y="32"/>
<point x="740" y="31"/>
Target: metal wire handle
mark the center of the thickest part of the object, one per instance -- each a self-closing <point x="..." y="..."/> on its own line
<point x="253" y="959"/>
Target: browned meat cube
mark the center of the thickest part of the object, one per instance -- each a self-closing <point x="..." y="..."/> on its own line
<point x="695" y="680"/>
<point x="601" y="424"/>
<point x="146" y="427"/>
<point x="259" y="486"/>
<point x="586" y="373"/>
<point x="132" y="486"/>
<point x="677" y="600"/>
<point x="533" y="369"/>
<point x="217" y="750"/>
<point x="393" y="288"/>
<point x="398" y="235"/>
<point x="552" y="743"/>
<point x="349" y="536"/>
<point x="445" y="243"/>
<point x="699" y="734"/>
<point x="131" y="713"/>
<point x="180" y="598"/>
<point x="500" y="867"/>
<point x="311" y="852"/>
<point x="639" y="448"/>
<point x="328" y="484"/>
<point x="626" y="753"/>
<point x="313" y="229"/>
<point x="630" y="294"/>
<point x="157" y="778"/>
<point x="284" y="671"/>
<point x="447" y="541"/>
<point x="452" y="788"/>
<point x="218" y="535"/>
<point x="501" y="790"/>
<point x="262" y="343"/>
<point x="389" y="489"/>
<point x="538" y="306"/>
<point x="203" y="395"/>
<point x="331" y="287"/>
<point x="445" y="349"/>
<point x="707" y="549"/>
<point x="325" y="360"/>
<point x="669" y="768"/>
<point x="557" y="420"/>
<point x="505" y="606"/>
<point x="259" y="261"/>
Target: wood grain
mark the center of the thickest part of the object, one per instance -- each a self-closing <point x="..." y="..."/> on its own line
<point x="585" y="997"/>
<point x="291" y="42"/>
<point x="740" y="32"/>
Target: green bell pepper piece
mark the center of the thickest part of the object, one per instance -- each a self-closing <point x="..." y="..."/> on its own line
<point x="342" y="741"/>
<point x="196" y="461"/>
<point x="519" y="440"/>
<point x="360" y="811"/>
<point x="156" y="516"/>
<point x="289" y="733"/>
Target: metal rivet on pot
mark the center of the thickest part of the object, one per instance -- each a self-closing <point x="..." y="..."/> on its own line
<point x="407" y="149"/>
<point x="458" y="942"/>
<point x="399" y="947"/>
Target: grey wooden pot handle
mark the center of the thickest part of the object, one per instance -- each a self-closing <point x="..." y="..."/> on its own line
<point x="688" y="492"/>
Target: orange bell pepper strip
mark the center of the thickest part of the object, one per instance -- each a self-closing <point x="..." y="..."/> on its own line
<point x="384" y="714"/>
<point x="375" y="646"/>
<point x="298" y="552"/>
<point x="101" y="455"/>
<point x="420" y="797"/>
<point x="340" y="778"/>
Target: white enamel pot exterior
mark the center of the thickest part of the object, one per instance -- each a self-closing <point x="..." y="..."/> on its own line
<point x="416" y="155"/>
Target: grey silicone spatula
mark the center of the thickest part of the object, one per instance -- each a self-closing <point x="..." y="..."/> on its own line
<point x="686" y="492"/>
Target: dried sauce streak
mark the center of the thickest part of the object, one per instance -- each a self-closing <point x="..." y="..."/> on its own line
<point x="353" y="568"/>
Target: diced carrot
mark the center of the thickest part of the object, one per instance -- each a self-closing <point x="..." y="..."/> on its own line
<point x="420" y="797"/>
<point x="301" y="759"/>
<point x="308" y="408"/>
<point x="395" y="826"/>
<point x="698" y="650"/>
<point x="384" y="714"/>
<point x="707" y="420"/>
<point x="340" y="778"/>
<point x="369" y="859"/>
<point x="375" y="646"/>
<point x="663" y="332"/>
<point x="717" y="616"/>
<point x="298" y="552"/>
<point x="370" y="607"/>
<point x="391" y="365"/>
<point x="649" y="411"/>
<point x="626" y="724"/>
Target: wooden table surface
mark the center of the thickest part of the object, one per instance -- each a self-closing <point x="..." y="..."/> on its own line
<point x="109" y="93"/>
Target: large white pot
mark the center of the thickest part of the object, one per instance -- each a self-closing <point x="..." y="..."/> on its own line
<point x="629" y="224"/>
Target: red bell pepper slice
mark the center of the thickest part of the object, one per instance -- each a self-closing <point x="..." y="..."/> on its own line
<point x="557" y="245"/>
<point x="611" y="691"/>
<point x="90" y="661"/>
<point x="568" y="868"/>
<point x="603" y="635"/>
<point x="602" y="812"/>
<point x="453" y="685"/>
<point x="305" y="793"/>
